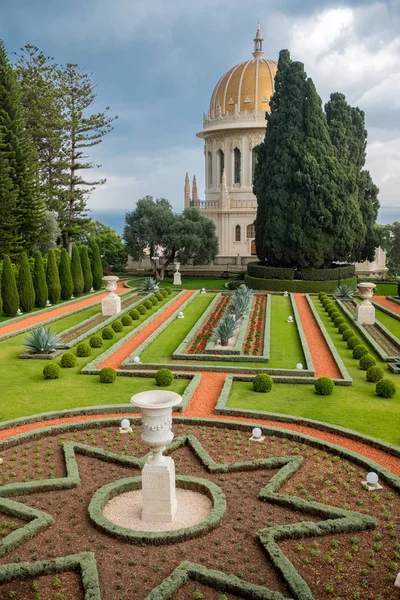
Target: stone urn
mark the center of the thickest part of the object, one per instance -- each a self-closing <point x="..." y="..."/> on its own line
<point x="177" y="275"/>
<point x="366" y="310"/>
<point x="110" y="283"/>
<point x="111" y="304"/>
<point x="158" y="474"/>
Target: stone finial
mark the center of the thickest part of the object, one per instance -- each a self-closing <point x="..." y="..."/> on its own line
<point x="225" y="199"/>
<point x="258" y="40"/>
<point x="195" y="196"/>
<point x="187" y="191"/>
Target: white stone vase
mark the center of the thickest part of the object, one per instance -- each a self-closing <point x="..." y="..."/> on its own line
<point x="366" y="290"/>
<point x="110" y="283"/>
<point x="111" y="304"/>
<point x="366" y="310"/>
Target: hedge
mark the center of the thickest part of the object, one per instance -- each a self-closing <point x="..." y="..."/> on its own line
<point x="279" y="285"/>
<point x="254" y="269"/>
<point x="346" y="272"/>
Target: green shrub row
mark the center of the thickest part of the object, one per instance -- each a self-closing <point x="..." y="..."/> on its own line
<point x="254" y="269"/>
<point x="277" y="285"/>
<point x="345" y="272"/>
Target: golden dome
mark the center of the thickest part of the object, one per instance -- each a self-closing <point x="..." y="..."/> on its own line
<point x="249" y="85"/>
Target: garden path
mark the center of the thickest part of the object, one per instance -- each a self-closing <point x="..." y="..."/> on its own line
<point x="383" y="301"/>
<point x="324" y="363"/>
<point x="116" y="359"/>
<point x="42" y="318"/>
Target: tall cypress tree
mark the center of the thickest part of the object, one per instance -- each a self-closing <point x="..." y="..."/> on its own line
<point x="86" y="270"/>
<point x="25" y="285"/>
<point x="9" y="292"/>
<point x="9" y="241"/>
<point x="39" y="281"/>
<point x="97" y="268"/>
<point x="76" y="272"/>
<point x="64" y="270"/>
<point x="29" y="211"/>
<point x="52" y="278"/>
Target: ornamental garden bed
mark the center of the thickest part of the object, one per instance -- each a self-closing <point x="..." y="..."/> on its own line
<point x="286" y="494"/>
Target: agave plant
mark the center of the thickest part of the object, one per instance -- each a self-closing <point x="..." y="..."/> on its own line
<point x="226" y="328"/>
<point x="344" y="291"/>
<point x="42" y="341"/>
<point x="239" y="305"/>
<point x="149" y="285"/>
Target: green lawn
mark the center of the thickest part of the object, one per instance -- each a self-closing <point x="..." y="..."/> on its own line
<point x="355" y="407"/>
<point x="286" y="349"/>
<point x="389" y="322"/>
<point x="188" y="283"/>
<point x="386" y="289"/>
<point x="24" y="391"/>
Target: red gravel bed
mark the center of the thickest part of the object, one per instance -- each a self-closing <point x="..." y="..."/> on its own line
<point x="203" y="335"/>
<point x="254" y="340"/>
<point x="383" y="301"/>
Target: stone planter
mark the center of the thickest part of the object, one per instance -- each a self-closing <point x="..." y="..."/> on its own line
<point x="366" y="310"/>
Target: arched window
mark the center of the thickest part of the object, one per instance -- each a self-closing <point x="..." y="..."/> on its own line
<point x="221" y="158"/>
<point x="254" y="159"/>
<point x="237" y="165"/>
<point x="237" y="233"/>
<point x="209" y="169"/>
<point x="250" y="231"/>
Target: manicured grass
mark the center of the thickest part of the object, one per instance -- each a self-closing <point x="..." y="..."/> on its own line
<point x="389" y="322"/>
<point x="24" y="391"/>
<point x="286" y="349"/>
<point x="386" y="289"/>
<point x="160" y="351"/>
<point x="356" y="407"/>
<point x="188" y="283"/>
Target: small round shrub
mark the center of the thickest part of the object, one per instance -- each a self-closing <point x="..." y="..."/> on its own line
<point x="52" y="371"/>
<point x="153" y="300"/>
<point x="322" y="295"/>
<point x="135" y="314"/>
<point x="385" y="388"/>
<point x="324" y="386"/>
<point x="374" y="374"/>
<point x="164" y="377"/>
<point x="262" y="383"/>
<point x="108" y="375"/>
<point x="168" y="290"/>
<point x="326" y="304"/>
<point x="343" y="327"/>
<point x="366" y="362"/>
<point x="334" y="315"/>
<point x="141" y="310"/>
<point x="164" y="292"/>
<point x="107" y="333"/>
<point x="117" y="326"/>
<point x="68" y="360"/>
<point x="83" y="349"/>
<point x="95" y="341"/>
<point x="126" y="320"/>
<point x="353" y="341"/>
<point x="338" y="321"/>
<point x="359" y="351"/>
<point x="331" y="309"/>
<point x="159" y="296"/>
<point x="148" y="304"/>
<point x="348" y="333"/>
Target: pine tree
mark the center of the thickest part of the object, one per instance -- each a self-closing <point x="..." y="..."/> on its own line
<point x="26" y="290"/>
<point x="9" y="292"/>
<point x="76" y="272"/>
<point x="64" y="271"/>
<point x="39" y="282"/>
<point x="97" y="268"/>
<point x="29" y="210"/>
<point x="9" y="242"/>
<point x="52" y="278"/>
<point x="86" y="270"/>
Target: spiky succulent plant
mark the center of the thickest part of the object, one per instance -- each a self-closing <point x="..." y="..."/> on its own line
<point x="239" y="305"/>
<point x="344" y="291"/>
<point x="149" y="285"/>
<point x="42" y="341"/>
<point x="226" y="328"/>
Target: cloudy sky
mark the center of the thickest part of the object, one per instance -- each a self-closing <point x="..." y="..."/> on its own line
<point x="155" y="63"/>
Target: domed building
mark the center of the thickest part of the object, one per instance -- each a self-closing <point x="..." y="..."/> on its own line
<point x="233" y="127"/>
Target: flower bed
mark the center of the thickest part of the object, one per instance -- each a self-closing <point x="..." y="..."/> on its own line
<point x="254" y="338"/>
<point x="204" y="334"/>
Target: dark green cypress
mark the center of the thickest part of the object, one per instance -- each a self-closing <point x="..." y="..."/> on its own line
<point x="9" y="242"/>
<point x="9" y="292"/>
<point x="97" y="268"/>
<point x="52" y="278"/>
<point x="64" y="270"/>
<point x="39" y="281"/>
<point x="26" y="290"/>
<point x="76" y="272"/>
<point x="86" y="270"/>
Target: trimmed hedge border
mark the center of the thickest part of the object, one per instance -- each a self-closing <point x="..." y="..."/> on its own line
<point x="296" y="285"/>
<point x="31" y="356"/>
<point x="254" y="269"/>
<point x="303" y="340"/>
<point x="191" y="335"/>
<point x="224" y="352"/>
<point x="115" y="488"/>
<point x="345" y="272"/>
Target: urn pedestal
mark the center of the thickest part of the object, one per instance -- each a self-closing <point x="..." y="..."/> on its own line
<point x="366" y="311"/>
<point x="111" y="304"/>
<point x="177" y="275"/>
<point x="158" y="474"/>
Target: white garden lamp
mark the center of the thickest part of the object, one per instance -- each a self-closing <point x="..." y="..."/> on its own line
<point x="256" y="435"/>
<point x="299" y="367"/>
<point x="125" y="426"/>
<point x="203" y="290"/>
<point x="290" y="319"/>
<point x="371" y="482"/>
<point x="137" y="360"/>
<point x="181" y="315"/>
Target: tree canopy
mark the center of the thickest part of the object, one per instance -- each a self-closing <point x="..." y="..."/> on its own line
<point x="112" y="248"/>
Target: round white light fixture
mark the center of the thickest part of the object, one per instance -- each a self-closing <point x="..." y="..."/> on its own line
<point x="372" y="478"/>
<point x="256" y="433"/>
<point x="181" y="315"/>
<point x="125" y="423"/>
<point x="299" y="367"/>
<point x="285" y="294"/>
<point x="136" y="359"/>
<point x="290" y="319"/>
<point x="203" y="290"/>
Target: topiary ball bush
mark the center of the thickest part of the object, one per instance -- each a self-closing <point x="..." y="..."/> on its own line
<point x="374" y="374"/>
<point x="322" y="295"/>
<point x="343" y="327"/>
<point x="135" y="314"/>
<point x="126" y="320"/>
<point x="83" y="349"/>
<point x="95" y="341"/>
<point x="332" y="309"/>
<point x="159" y="296"/>
<point x="338" y="321"/>
<point x="153" y="300"/>
<point x="262" y="383"/>
<point x="334" y="315"/>
<point x="164" y="377"/>
<point x="117" y="326"/>
<point x="141" y="310"/>
<point x="385" y="388"/>
<point x="148" y="304"/>
<point x="324" y="386"/>
<point x="107" y="333"/>
<point x="164" y="292"/>
<point x="353" y="341"/>
<point x="348" y="333"/>
<point x="52" y="371"/>
<point x="366" y="362"/>
<point x="68" y="360"/>
<point x="168" y="290"/>
<point x="108" y="375"/>
<point x="359" y="351"/>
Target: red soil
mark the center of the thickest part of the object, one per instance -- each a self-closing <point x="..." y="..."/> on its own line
<point x="383" y="301"/>
<point x="324" y="363"/>
<point x="116" y="359"/>
<point x="56" y="312"/>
